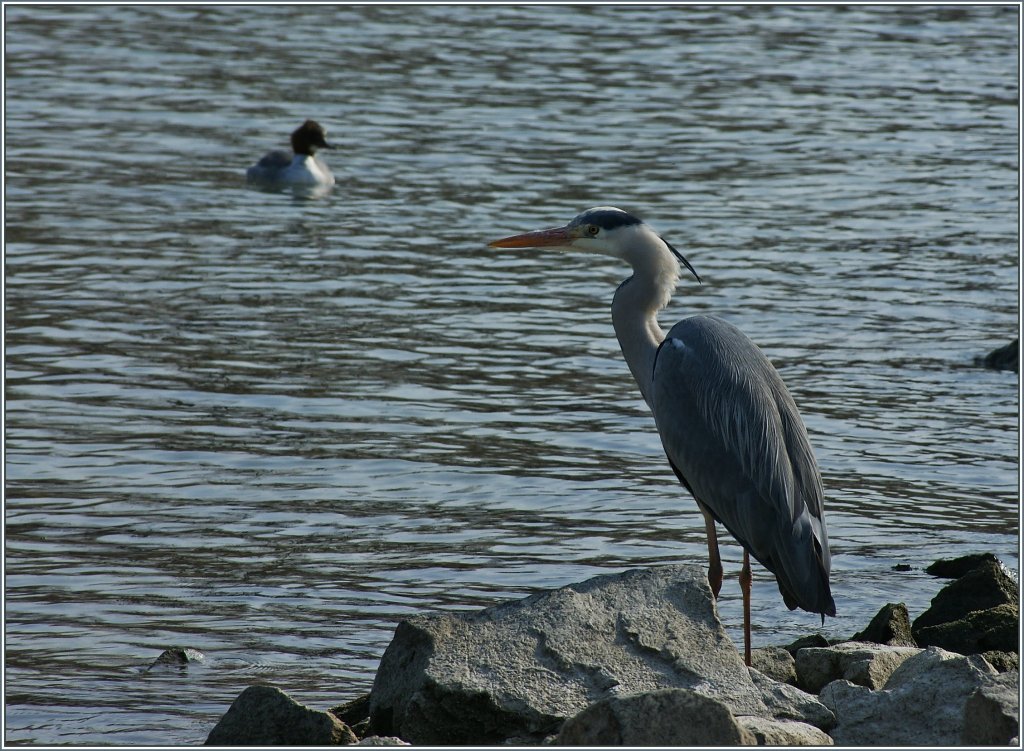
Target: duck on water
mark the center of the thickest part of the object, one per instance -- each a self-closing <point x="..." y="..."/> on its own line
<point x="301" y="169"/>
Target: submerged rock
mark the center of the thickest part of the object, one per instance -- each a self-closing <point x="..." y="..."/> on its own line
<point x="1004" y="358"/>
<point x="520" y="669"/>
<point x="177" y="657"/>
<point x="266" y="716"/>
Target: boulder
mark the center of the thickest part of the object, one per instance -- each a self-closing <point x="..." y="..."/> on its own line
<point x="355" y="714"/>
<point x="381" y="740"/>
<point x="669" y="717"/>
<point x="788" y="703"/>
<point x="775" y="662"/>
<point x="520" y="669"/>
<point x="993" y="629"/>
<point x="782" y="733"/>
<point x="992" y="712"/>
<point x="862" y="663"/>
<point x="266" y="716"/>
<point x="954" y="568"/>
<point x="922" y="703"/>
<point x="1003" y="358"/>
<point x="890" y="626"/>
<point x="985" y="585"/>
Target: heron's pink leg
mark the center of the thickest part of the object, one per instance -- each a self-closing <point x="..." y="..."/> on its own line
<point x="746" y="582"/>
<point x="714" y="559"/>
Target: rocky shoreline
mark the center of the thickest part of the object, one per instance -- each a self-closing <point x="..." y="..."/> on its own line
<point x="641" y="658"/>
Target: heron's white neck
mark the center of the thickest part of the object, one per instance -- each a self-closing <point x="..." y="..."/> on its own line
<point x="637" y="302"/>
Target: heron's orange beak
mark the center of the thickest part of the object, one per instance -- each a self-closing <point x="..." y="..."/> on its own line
<point x="545" y="238"/>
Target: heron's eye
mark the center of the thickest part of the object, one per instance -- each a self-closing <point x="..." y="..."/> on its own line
<point x="593" y="229"/>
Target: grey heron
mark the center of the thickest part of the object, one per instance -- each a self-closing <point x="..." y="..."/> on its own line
<point x="730" y="429"/>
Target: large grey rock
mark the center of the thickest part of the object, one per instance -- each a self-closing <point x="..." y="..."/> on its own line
<point x="991" y="630"/>
<point x="789" y="703"/>
<point x="520" y="669"/>
<point x="266" y="716"/>
<point x="862" y="663"/>
<point x="992" y="712"/>
<point x="669" y="717"/>
<point x="783" y="733"/>
<point x="922" y="703"/>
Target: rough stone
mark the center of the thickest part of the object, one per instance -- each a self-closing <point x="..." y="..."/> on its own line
<point x="782" y="733"/>
<point x="775" y="662"/>
<point x="992" y="712"/>
<point x="994" y="629"/>
<point x="788" y="703"/>
<point x="954" y="568"/>
<point x="381" y="740"/>
<point x="811" y="640"/>
<point x="890" y="626"/>
<point x="520" y="669"/>
<point x="986" y="585"/>
<point x="266" y="716"/>
<point x="355" y="714"/>
<point x="862" y="663"/>
<point x="668" y="717"/>
<point x="922" y="704"/>
<point x="177" y="657"/>
<point x="1002" y="661"/>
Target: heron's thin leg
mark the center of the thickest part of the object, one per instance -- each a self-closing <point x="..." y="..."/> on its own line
<point x="714" y="559"/>
<point x="746" y="582"/>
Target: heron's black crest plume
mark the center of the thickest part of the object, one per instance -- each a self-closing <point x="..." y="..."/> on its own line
<point x="607" y="218"/>
<point x="685" y="263"/>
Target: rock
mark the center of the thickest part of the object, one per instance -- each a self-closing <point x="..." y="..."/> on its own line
<point x="380" y="740"/>
<point x="811" y="640"/>
<point x="669" y="717"/>
<point x="954" y="568"/>
<point x="520" y="669"/>
<point x="1002" y="661"/>
<point x="355" y="714"/>
<point x="862" y="663"/>
<point x="992" y="712"/>
<point x="890" y="626"/>
<point x="787" y="702"/>
<point x="985" y="585"/>
<point x="266" y="716"/>
<point x="177" y="657"/>
<point x="775" y="662"/>
<point x="1004" y="358"/>
<point x="775" y="733"/>
<point x="922" y="704"/>
<point x="994" y="629"/>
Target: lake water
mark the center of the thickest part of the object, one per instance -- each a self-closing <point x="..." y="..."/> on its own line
<point x="269" y="427"/>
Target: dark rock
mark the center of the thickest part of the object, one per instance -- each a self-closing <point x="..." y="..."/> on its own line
<point x="994" y="629"/>
<point x="177" y="657"/>
<point x="669" y="717"/>
<point x="355" y="714"/>
<point x="1002" y="661"/>
<point x="992" y="712"/>
<point x="520" y="669"/>
<point x="902" y="567"/>
<point x="890" y="626"/>
<point x="266" y="716"/>
<point x="811" y="640"/>
<point x="986" y="585"/>
<point x="775" y="662"/>
<point x="1004" y="358"/>
<point x="954" y="568"/>
<point x="922" y="703"/>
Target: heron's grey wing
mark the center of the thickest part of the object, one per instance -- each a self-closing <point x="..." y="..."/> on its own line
<point x="734" y="436"/>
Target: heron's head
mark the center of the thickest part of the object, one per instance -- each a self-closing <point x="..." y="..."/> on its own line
<point x="604" y="230"/>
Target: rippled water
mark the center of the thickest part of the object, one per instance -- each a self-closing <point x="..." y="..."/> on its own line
<point x="268" y="428"/>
